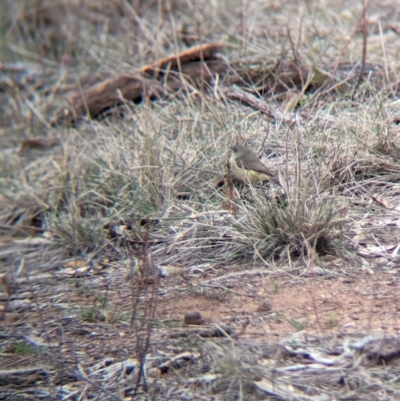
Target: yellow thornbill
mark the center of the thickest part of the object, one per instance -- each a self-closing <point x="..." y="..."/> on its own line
<point x="247" y="167"/>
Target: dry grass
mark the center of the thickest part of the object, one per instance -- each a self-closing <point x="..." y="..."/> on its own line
<point x="150" y="181"/>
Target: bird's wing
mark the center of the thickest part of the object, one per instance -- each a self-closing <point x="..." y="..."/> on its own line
<point x="256" y="166"/>
<point x="239" y="163"/>
<point x="261" y="168"/>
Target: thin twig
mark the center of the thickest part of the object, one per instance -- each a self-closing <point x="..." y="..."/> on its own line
<point x="364" y="49"/>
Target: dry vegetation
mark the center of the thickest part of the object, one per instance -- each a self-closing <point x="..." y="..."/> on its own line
<point x="118" y="214"/>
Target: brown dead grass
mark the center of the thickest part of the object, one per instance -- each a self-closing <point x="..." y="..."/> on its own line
<point x="89" y="213"/>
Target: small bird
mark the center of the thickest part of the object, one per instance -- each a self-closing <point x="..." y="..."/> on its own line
<point x="247" y="167"/>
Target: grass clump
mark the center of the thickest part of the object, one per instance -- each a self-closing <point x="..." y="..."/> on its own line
<point x="300" y="225"/>
<point x="24" y="349"/>
<point x="234" y="372"/>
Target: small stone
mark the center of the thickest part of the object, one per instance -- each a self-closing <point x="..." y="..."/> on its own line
<point x="193" y="317"/>
<point x="265" y="306"/>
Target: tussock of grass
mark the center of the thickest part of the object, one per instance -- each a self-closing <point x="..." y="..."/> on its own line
<point x="295" y="227"/>
<point x="234" y="371"/>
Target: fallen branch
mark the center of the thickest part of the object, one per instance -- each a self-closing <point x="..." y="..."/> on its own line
<point x="259" y="104"/>
<point x="169" y="74"/>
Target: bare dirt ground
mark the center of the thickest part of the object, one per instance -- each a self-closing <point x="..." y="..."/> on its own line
<point x="311" y="320"/>
<point x="359" y="303"/>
